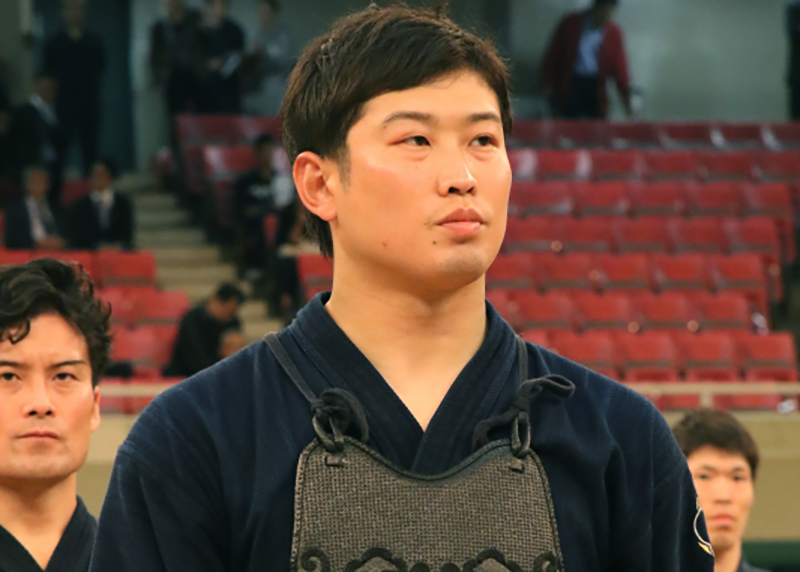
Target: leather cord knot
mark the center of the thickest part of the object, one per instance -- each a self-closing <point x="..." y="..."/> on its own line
<point x="333" y="413"/>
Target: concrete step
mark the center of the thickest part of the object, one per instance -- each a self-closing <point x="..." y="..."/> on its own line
<point x="253" y="311"/>
<point x="162" y="219"/>
<point x="154" y="200"/>
<point x="181" y="237"/>
<point x="137" y="182"/>
<point x="205" y="255"/>
<point x="206" y="274"/>
<point x="255" y="330"/>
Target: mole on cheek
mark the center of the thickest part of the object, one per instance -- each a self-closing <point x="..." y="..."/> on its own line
<point x="434" y="242"/>
<point x="385" y="244"/>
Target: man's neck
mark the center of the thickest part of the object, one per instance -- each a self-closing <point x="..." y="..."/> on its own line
<point x="418" y="344"/>
<point x="37" y="513"/>
<point x="728" y="560"/>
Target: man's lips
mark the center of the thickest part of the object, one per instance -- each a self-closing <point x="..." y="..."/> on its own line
<point x="43" y="434"/>
<point x="721" y="519"/>
<point x="462" y="215"/>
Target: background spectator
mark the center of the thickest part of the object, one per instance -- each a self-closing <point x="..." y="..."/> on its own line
<point x="793" y="75"/>
<point x="35" y="134"/>
<point x="723" y="459"/>
<point x="75" y="57"/>
<point x="586" y="51"/>
<point x="208" y="333"/>
<point x="30" y="222"/>
<point x="223" y="46"/>
<point x="104" y="217"/>
<point x="270" y="61"/>
<point x="6" y="164"/>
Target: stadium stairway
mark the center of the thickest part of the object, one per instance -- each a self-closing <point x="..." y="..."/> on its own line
<point x="185" y="260"/>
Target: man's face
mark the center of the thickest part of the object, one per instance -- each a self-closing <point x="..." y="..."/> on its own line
<point x="724" y="484"/>
<point x="73" y="13"/>
<point x="101" y="177"/>
<point x="48" y="407"/>
<point x="421" y="203"/>
<point x="38" y="183"/>
<point x="217" y="9"/>
<point x="46" y="88"/>
<point x="229" y="309"/>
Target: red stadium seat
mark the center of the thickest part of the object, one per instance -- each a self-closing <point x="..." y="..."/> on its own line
<point x="538" y="337"/>
<point x="771" y="357"/>
<point x="745" y="136"/>
<point x="590" y="234"/>
<point x="162" y="307"/>
<point x="742" y="273"/>
<point x="602" y="199"/>
<point x="563" y="272"/>
<point x="723" y="311"/>
<point x="774" y="200"/>
<point x="702" y="234"/>
<point x="658" y="199"/>
<point x="227" y="162"/>
<point x="783" y="166"/>
<point x="580" y="134"/>
<point x="501" y="301"/>
<point x="550" y="311"/>
<point x="205" y="129"/>
<point x="633" y="135"/>
<point x="530" y="198"/>
<point x="616" y="165"/>
<point x="535" y="234"/>
<point x="784" y="135"/>
<point x="83" y="258"/>
<point x="667" y="311"/>
<point x="124" y="303"/>
<point x="748" y="402"/>
<point x="630" y="272"/>
<point x="511" y="271"/>
<point x="148" y="346"/>
<point x="249" y="127"/>
<point x="13" y="257"/>
<point x="708" y="356"/>
<point x="670" y="165"/>
<point x="533" y="133"/>
<point x="756" y="235"/>
<point x="714" y="199"/>
<point x="686" y="272"/>
<point x="651" y="356"/>
<point x="315" y="273"/>
<point x="686" y="135"/>
<point x="611" y="311"/>
<point x="594" y="350"/>
<point x="523" y="163"/>
<point x="648" y="234"/>
<point x="562" y="165"/>
<point x="73" y="190"/>
<point x="125" y="268"/>
<point x="738" y="166"/>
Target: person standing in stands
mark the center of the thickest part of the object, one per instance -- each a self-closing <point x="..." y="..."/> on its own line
<point x="586" y="51"/>
<point x="723" y="459"/>
<point x="793" y="75"/>
<point x="31" y="223"/>
<point x="75" y="57"/>
<point x="54" y="347"/>
<point x="103" y="218"/>
<point x="209" y="332"/>
<point x="398" y="423"/>
<point x="223" y="47"/>
<point x="35" y="134"/>
<point x="271" y="60"/>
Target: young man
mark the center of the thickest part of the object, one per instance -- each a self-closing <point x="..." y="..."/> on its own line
<point x="723" y="458"/>
<point x="31" y="223"/>
<point x="395" y="121"/>
<point x="54" y="346"/>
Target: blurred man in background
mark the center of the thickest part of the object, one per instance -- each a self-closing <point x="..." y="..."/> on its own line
<point x="75" y="57"/>
<point x="270" y="61"/>
<point x="723" y="459"/>
<point x="31" y="222"/>
<point x="585" y="52"/>
<point x="103" y="218"/>
<point x="793" y="75"/>
<point x="223" y="47"/>
<point x="54" y="346"/>
<point x="209" y="332"/>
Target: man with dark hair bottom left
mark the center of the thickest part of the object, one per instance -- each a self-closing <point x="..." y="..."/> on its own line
<point x="54" y="347"/>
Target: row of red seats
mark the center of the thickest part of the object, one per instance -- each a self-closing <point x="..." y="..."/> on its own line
<point x="133" y="306"/>
<point x="666" y="135"/>
<point x="106" y="267"/>
<point x="625" y="311"/>
<point x="129" y="405"/>
<point x="602" y="165"/>
<point x="147" y="348"/>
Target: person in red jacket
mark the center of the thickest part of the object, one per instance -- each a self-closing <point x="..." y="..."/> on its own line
<point x="586" y="51"/>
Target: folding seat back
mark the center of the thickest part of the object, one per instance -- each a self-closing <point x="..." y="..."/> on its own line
<point x="745" y="136"/>
<point x="664" y="198"/>
<point x="562" y="165"/>
<point x="743" y="273"/>
<point x="203" y="129"/>
<point x="580" y="134"/>
<point x="768" y="199"/>
<point x="779" y="166"/>
<point x="686" y="135"/>
<point x="538" y="337"/>
<point x="126" y="268"/>
<point x="511" y="271"/>
<point x="550" y="311"/>
<point x="563" y="272"/>
<point x="709" y="356"/>
<point x="667" y="311"/>
<point x="530" y="198"/>
<point x="646" y="234"/>
<point x="670" y="165"/>
<point x="534" y="234"/>
<point x="227" y="162"/>
<point x="650" y="356"/>
<point x="533" y="133"/>
<point x="83" y="258"/>
<point x="588" y="234"/>
<point x="142" y="347"/>
<point x="783" y="135"/>
<point x="633" y="135"/>
<point x="612" y="311"/>
<point x="714" y="199"/>
<point x="124" y="303"/>
<point x="616" y="165"/>
<point x="501" y="301"/>
<point x="683" y="272"/>
<point x="602" y="199"/>
<point x="723" y="311"/>
<point x="250" y="127"/>
<point x="523" y="163"/>
<point x="771" y="357"/>
<point x="315" y="273"/>
<point x="14" y="257"/>
<point x="629" y="272"/>
<point x="735" y="166"/>
<point x="701" y="234"/>
<point x="595" y="350"/>
<point x="162" y="307"/>
<point x="757" y="235"/>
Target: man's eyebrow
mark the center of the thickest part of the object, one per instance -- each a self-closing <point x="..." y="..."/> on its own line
<point x="409" y="115"/>
<point x="68" y="362"/>
<point x="7" y="363"/>
<point x="488" y="116"/>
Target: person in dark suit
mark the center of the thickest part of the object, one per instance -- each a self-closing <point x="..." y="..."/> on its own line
<point x="104" y="217"/>
<point x="30" y="223"/>
<point x="223" y="47"/>
<point x="35" y="135"/>
<point x="75" y="57"/>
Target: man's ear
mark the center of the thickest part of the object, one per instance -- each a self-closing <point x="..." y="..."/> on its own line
<point x="313" y="178"/>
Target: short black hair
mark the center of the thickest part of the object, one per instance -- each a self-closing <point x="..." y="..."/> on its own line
<point x="109" y="164"/>
<point x="718" y="429"/>
<point x="228" y="291"/>
<point x="46" y="286"/>
<point x="262" y="140"/>
<point x="366" y="54"/>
